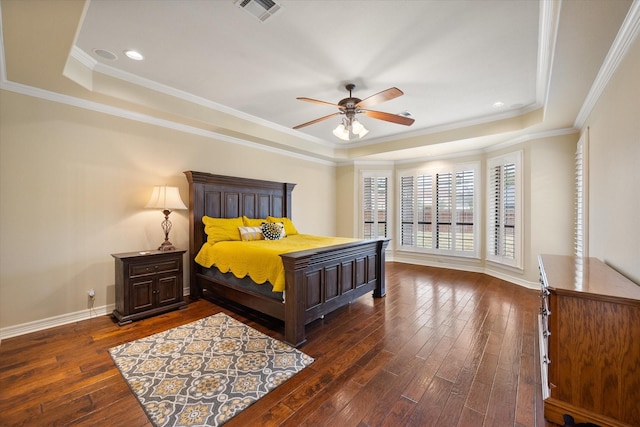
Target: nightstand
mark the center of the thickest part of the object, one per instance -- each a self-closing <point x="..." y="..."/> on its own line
<point x="147" y="283"/>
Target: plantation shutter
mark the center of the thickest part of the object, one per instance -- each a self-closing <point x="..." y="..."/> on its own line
<point x="444" y="195"/>
<point x="493" y="237"/>
<point x="374" y="206"/>
<point x="437" y="211"/>
<point x="502" y="214"/>
<point x="425" y="211"/>
<point x="367" y="207"/>
<point x="381" y="206"/>
<point x="509" y="211"/>
<point x="407" y="203"/>
<point x="581" y="196"/>
<point x="504" y="220"/>
<point x="464" y="211"/>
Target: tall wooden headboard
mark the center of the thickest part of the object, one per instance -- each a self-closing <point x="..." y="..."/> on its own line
<point x="220" y="196"/>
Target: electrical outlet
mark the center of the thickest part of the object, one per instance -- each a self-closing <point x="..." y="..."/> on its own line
<point x="92" y="293"/>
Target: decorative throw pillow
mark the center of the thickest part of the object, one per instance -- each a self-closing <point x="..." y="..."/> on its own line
<point x="251" y="233"/>
<point x="289" y="228"/>
<point x="272" y="230"/>
<point x="283" y="234"/>
<point x="221" y="229"/>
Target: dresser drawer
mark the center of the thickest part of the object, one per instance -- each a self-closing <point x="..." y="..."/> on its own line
<point x="144" y="269"/>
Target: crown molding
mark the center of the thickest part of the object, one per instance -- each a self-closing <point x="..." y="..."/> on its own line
<point x="548" y="31"/>
<point x="144" y="118"/>
<point x="627" y="34"/>
<point x="529" y="137"/>
<point x="98" y="67"/>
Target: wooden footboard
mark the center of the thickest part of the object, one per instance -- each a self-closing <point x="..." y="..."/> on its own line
<point x="321" y="280"/>
<point x="317" y="282"/>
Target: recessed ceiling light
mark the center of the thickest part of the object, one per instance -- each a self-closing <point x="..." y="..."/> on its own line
<point x="106" y="54"/>
<point x="135" y="55"/>
<point x="498" y="104"/>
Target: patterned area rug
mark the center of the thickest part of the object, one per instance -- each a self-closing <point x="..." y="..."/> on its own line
<point x="204" y="373"/>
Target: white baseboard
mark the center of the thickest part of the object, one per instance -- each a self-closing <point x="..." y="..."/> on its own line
<point x="63" y="319"/>
<point x="38" y="325"/>
<point x="475" y="268"/>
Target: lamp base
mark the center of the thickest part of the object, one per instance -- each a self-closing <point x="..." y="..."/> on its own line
<point x="166" y="227"/>
<point x="166" y="246"/>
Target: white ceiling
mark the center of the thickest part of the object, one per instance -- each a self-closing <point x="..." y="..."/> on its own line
<point x="453" y="59"/>
<point x="240" y="77"/>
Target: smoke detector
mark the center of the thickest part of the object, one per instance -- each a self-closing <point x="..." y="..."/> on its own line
<point x="261" y="9"/>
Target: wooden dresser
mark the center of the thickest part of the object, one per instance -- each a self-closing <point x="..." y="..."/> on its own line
<point x="589" y="342"/>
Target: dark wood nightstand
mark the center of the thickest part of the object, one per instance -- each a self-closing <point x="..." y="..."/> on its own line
<point x="147" y="283"/>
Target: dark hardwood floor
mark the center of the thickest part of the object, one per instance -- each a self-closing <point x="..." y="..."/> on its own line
<point x="444" y="348"/>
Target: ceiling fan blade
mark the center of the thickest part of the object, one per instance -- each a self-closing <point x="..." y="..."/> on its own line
<point x="315" y="101"/>
<point x="394" y="118"/>
<point x="316" y="121"/>
<point x="385" y="95"/>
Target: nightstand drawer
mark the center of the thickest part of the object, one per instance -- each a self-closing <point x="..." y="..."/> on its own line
<point x="144" y="269"/>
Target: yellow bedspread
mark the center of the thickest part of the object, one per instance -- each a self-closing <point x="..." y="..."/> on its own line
<point x="260" y="259"/>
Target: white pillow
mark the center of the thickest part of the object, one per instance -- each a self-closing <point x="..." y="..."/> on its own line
<point x="250" y="233"/>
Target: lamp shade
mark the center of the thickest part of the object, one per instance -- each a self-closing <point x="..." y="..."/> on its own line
<point x="341" y="132"/>
<point x="165" y="198"/>
<point x="357" y="127"/>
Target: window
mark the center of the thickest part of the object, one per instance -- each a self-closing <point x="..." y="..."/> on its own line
<point x="504" y="218"/>
<point x="437" y="210"/>
<point x="375" y="200"/>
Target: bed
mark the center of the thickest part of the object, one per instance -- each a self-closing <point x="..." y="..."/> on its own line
<point x="317" y="281"/>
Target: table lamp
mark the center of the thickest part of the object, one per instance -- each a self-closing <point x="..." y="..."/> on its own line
<point x="167" y="199"/>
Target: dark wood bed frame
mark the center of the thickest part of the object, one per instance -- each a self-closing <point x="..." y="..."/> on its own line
<point x="316" y="281"/>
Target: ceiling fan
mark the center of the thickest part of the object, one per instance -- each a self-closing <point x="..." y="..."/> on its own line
<point x="350" y="107"/>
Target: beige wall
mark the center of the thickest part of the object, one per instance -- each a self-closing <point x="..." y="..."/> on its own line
<point x="614" y="170"/>
<point x="346" y="201"/>
<point x="549" y="199"/>
<point x="73" y="185"/>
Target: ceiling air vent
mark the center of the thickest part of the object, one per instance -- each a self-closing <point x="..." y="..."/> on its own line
<point x="261" y="9"/>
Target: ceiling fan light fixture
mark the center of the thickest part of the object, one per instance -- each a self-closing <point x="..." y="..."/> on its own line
<point x="341" y="132"/>
<point x="351" y="106"/>
<point x="363" y="132"/>
<point x="357" y="127"/>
